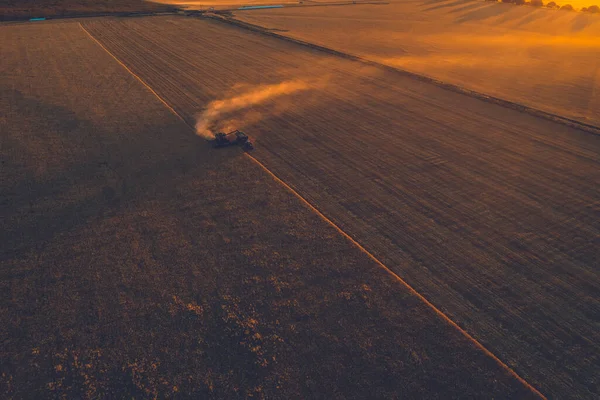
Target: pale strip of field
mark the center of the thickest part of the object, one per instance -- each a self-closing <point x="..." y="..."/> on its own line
<point x="199" y="4"/>
<point x="238" y="3"/>
<point x="492" y="214"/>
<point x="545" y="59"/>
<point x="138" y="262"/>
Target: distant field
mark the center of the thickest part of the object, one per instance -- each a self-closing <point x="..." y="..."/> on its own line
<point x="138" y="262"/>
<point x="490" y="213"/>
<point x="222" y="3"/>
<point x="23" y="9"/>
<point x="546" y="59"/>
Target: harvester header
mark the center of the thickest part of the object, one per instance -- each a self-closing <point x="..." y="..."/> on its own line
<point x="232" y="138"/>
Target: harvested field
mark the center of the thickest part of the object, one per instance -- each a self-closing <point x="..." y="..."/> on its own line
<point x="545" y="59"/>
<point x="138" y="262"/>
<point x="492" y="214"/>
<point x="24" y="9"/>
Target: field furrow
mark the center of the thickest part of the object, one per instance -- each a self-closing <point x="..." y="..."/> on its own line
<point x="490" y="213"/>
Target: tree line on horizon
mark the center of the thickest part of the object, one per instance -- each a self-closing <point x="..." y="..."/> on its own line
<point x="553" y="5"/>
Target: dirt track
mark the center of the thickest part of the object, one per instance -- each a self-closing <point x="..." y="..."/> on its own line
<point x="490" y="213"/>
<point x="138" y="262"/>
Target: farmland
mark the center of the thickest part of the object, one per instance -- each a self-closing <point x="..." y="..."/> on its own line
<point x="24" y="9"/>
<point x="546" y="59"/>
<point x="138" y="262"/>
<point x="492" y="214"/>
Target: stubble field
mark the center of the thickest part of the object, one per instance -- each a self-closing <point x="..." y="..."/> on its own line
<point x="136" y="261"/>
<point x="490" y="213"/>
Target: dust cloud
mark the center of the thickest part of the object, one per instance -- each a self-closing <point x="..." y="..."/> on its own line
<point x="237" y="111"/>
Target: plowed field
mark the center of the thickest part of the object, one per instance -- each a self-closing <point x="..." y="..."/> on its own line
<point x="492" y="214"/>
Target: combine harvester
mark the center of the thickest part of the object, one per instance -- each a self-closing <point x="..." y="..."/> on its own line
<point x="231" y="139"/>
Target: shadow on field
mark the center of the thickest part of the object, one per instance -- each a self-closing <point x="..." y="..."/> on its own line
<point x="74" y="176"/>
<point x="467" y="10"/>
<point x="468" y="7"/>
<point x="580" y="22"/>
<point x="487" y="11"/>
<point x="529" y="18"/>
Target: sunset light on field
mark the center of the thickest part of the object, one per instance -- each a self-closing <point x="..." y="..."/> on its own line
<point x="308" y="199"/>
<point x="547" y="59"/>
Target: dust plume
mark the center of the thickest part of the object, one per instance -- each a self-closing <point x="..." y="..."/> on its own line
<point x="237" y="111"/>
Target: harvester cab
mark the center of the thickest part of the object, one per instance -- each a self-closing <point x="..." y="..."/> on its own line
<point x="232" y="138"/>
